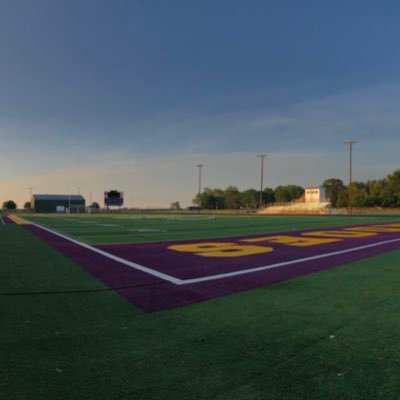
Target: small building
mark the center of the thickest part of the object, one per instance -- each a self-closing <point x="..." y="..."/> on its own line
<point x="315" y="195"/>
<point x="58" y="203"/>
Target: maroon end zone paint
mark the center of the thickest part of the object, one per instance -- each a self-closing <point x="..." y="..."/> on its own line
<point x="7" y="220"/>
<point x="187" y="265"/>
<point x="154" y="294"/>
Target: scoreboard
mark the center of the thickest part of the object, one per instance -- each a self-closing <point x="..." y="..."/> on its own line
<point x="113" y="198"/>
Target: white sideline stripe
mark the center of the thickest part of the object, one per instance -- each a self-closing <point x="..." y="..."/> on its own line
<point x="178" y="281"/>
<point x="115" y="258"/>
<point x="282" y="264"/>
<point x="2" y="220"/>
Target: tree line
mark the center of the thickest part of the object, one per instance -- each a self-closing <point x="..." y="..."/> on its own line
<point x="373" y="193"/>
<point x="231" y="198"/>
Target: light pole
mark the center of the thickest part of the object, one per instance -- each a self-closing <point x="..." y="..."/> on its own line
<point x="30" y="197"/>
<point x="261" y="156"/>
<point x="199" y="167"/>
<point x="350" y="143"/>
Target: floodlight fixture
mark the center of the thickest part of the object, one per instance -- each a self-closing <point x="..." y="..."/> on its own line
<point x="199" y="166"/>
<point x="350" y="144"/>
<point x="261" y="156"/>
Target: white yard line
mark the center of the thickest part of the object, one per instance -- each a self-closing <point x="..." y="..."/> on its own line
<point x="282" y="264"/>
<point x="178" y="281"/>
<point x="2" y="220"/>
<point x="133" y="265"/>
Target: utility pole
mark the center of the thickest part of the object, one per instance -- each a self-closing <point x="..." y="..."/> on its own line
<point x="261" y="156"/>
<point x="199" y="193"/>
<point x="30" y="197"/>
<point x="350" y="143"/>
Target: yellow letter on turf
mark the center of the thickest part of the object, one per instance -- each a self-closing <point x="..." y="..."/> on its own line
<point x="220" y="249"/>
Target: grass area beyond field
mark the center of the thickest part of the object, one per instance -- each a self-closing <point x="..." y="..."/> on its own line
<point x="330" y="335"/>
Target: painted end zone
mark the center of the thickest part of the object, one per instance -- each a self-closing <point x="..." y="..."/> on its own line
<point x="157" y="276"/>
<point x="17" y="220"/>
<point x="7" y="220"/>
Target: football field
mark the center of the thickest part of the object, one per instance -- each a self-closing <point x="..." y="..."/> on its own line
<point x="200" y="306"/>
<point x="126" y="228"/>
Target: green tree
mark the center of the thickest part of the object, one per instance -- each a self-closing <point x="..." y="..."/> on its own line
<point x="374" y="191"/>
<point x="393" y="183"/>
<point x="390" y="191"/>
<point x="334" y="190"/>
<point x="374" y="187"/>
<point x="342" y="200"/>
<point x="207" y="199"/>
<point x="219" y="198"/>
<point x="210" y="199"/>
<point x="281" y="195"/>
<point x="268" y="195"/>
<point x="295" y="191"/>
<point x="27" y="206"/>
<point x="9" y="205"/>
<point x="389" y="198"/>
<point x="359" y="194"/>
<point x="232" y="198"/>
<point x="197" y="199"/>
<point x="250" y="198"/>
<point x="285" y="194"/>
<point x="175" y="205"/>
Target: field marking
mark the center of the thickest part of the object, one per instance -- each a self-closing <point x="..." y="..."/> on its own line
<point x="178" y="281"/>
<point x="145" y="230"/>
<point x="200" y="218"/>
<point x="108" y="225"/>
<point x="2" y="220"/>
<point x="282" y="264"/>
<point x="18" y="220"/>
<point x="133" y="265"/>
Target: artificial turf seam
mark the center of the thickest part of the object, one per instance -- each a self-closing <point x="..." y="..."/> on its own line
<point x="55" y="292"/>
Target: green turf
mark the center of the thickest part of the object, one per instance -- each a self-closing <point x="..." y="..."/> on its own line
<point x="145" y="228"/>
<point x="330" y="335"/>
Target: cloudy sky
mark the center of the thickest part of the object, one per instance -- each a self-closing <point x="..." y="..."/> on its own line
<point x="132" y="95"/>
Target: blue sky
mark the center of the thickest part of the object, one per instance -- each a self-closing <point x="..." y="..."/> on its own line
<point x="132" y="95"/>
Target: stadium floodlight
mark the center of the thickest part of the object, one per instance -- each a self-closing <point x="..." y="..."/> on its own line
<point x="350" y="143"/>
<point x="199" y="166"/>
<point x="30" y="197"/>
<point x="261" y="156"/>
